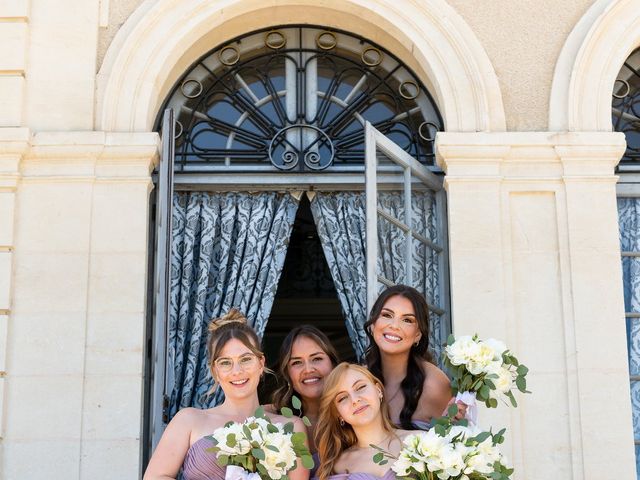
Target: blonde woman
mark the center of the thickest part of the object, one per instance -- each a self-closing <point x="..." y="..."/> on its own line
<point x="236" y="364"/>
<point x="353" y="416"/>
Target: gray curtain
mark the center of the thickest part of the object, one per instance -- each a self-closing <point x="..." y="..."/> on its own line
<point x="228" y="251"/>
<point x="629" y="220"/>
<point x="340" y="219"/>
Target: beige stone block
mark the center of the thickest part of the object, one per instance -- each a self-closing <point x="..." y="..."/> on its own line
<point x="47" y="343"/>
<point x="110" y="459"/>
<point x="52" y="459"/>
<point x="5" y="280"/>
<point x="7" y="202"/>
<point x="4" y="327"/>
<point x="112" y="407"/>
<point x="13" y="46"/>
<point x="120" y="220"/>
<point x="115" y="343"/>
<point x="11" y="100"/>
<point x="14" y="9"/>
<point x="117" y="282"/>
<point x="54" y="217"/>
<point x="50" y="282"/>
<point x="2" y="411"/>
<point x="44" y="407"/>
<point x="474" y="215"/>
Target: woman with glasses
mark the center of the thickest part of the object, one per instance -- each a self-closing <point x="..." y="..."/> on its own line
<point x="398" y="329"/>
<point x="236" y="364"/>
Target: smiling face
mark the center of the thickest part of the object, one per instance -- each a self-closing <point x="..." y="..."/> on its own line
<point x="396" y="329"/>
<point x="237" y="369"/>
<point x="358" y="398"/>
<point x="307" y="367"/>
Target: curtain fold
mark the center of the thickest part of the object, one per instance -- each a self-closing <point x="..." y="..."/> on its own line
<point x="629" y="221"/>
<point x="228" y="251"/>
<point x="341" y="222"/>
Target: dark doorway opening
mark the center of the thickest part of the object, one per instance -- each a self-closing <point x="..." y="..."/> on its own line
<point x="306" y="294"/>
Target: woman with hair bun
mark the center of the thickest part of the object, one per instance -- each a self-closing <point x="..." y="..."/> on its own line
<point x="398" y="329"/>
<point x="237" y="364"/>
<point x="353" y="416"/>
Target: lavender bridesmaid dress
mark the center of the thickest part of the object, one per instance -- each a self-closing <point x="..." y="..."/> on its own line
<point x="200" y="464"/>
<point x="390" y="475"/>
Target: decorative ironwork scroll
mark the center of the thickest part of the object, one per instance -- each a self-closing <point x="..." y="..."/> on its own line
<point x="626" y="106"/>
<point x="296" y="99"/>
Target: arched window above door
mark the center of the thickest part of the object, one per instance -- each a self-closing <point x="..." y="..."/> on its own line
<point x="296" y="99"/>
<point x="626" y="109"/>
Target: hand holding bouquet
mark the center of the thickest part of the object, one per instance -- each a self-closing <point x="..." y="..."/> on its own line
<point x="260" y="448"/>
<point x="484" y="368"/>
<point x="452" y="452"/>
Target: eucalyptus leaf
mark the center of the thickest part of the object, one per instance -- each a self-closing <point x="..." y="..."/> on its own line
<point x="306" y="421"/>
<point x="258" y="453"/>
<point x="286" y="412"/>
<point x="307" y="461"/>
<point x="295" y="401"/>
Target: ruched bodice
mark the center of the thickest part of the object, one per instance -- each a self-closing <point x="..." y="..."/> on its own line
<point x="200" y="464"/>
<point x="362" y="476"/>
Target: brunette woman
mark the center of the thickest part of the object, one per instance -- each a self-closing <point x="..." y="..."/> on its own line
<point x="306" y="358"/>
<point x="236" y="364"/>
<point x="398" y="330"/>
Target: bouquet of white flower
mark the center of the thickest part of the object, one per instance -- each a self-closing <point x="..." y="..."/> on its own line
<point x="259" y="449"/>
<point x="453" y="452"/>
<point x="484" y="368"/>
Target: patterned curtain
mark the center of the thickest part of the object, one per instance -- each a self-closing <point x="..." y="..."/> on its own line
<point x="340" y="219"/>
<point x="228" y="251"/>
<point x="629" y="220"/>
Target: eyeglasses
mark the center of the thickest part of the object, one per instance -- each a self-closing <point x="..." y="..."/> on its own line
<point x="245" y="362"/>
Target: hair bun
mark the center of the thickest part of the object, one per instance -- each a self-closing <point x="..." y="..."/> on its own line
<point x="232" y="316"/>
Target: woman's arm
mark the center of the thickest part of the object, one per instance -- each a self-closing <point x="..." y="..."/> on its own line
<point x="169" y="455"/>
<point x="299" y="473"/>
<point x="436" y="394"/>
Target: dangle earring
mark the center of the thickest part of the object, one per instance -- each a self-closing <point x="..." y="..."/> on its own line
<point x="342" y="422"/>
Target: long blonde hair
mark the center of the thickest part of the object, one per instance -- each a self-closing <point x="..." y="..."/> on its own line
<point x="332" y="438"/>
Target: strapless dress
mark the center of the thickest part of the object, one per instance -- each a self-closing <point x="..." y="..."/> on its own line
<point x="389" y="475"/>
<point x="200" y="464"/>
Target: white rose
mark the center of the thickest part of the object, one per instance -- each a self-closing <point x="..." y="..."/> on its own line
<point x="503" y="383"/>
<point x="241" y="447"/>
<point x="462" y="350"/>
<point x="401" y="467"/>
<point x="452" y="460"/>
<point x="285" y="454"/>
<point x="498" y="346"/>
<point x="430" y="444"/>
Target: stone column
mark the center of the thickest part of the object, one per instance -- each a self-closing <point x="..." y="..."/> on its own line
<point x="76" y="342"/>
<point x="535" y="261"/>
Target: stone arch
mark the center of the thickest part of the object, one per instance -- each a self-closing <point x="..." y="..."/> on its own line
<point x="163" y="38"/>
<point x="589" y="63"/>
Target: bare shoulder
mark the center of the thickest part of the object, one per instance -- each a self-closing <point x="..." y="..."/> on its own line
<point x="297" y="422"/>
<point x="188" y="417"/>
<point x="402" y="434"/>
<point x="435" y="379"/>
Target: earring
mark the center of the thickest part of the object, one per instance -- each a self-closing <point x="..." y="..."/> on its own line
<point x="342" y="422"/>
<point x="417" y="342"/>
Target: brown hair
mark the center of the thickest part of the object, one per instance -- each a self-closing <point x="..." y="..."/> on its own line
<point x="332" y="438"/>
<point x="232" y="324"/>
<point x="282" y="395"/>
<point x="413" y="383"/>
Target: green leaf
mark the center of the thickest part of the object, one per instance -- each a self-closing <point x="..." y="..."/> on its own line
<point x="281" y="464"/>
<point x="383" y="462"/>
<point x="262" y="470"/>
<point x="271" y="428"/>
<point x="481" y="437"/>
<point x="307" y="461"/>
<point x="521" y="383"/>
<point x="522" y="370"/>
<point x="223" y="460"/>
<point x="492" y="403"/>
<point x="288" y="427"/>
<point x="231" y="440"/>
<point x="450" y="339"/>
<point x="272" y="448"/>
<point x="286" y="412"/>
<point x="258" y="453"/>
<point x="298" y="437"/>
<point x="378" y="457"/>
<point x="484" y="392"/>
<point x="247" y="431"/>
<point x="295" y="401"/>
<point x="512" y="399"/>
<point x="306" y="421"/>
<point x="259" y="412"/>
<point x="452" y="411"/>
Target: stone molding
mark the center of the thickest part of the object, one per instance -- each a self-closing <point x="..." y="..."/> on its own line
<point x="162" y="38"/>
<point x="589" y="63"/>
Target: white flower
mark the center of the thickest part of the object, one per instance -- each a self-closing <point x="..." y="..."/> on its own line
<point x="241" y="446"/>
<point x="402" y="466"/>
<point x="285" y="454"/>
<point x="452" y="460"/>
<point x="430" y="444"/>
<point x="462" y="350"/>
<point x="504" y="382"/>
<point x="498" y="346"/>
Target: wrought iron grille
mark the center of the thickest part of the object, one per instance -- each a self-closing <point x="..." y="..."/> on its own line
<point x="626" y="107"/>
<point x="296" y="99"/>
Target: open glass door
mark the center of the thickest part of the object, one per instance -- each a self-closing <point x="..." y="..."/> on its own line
<point x="406" y="229"/>
<point x="161" y="373"/>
